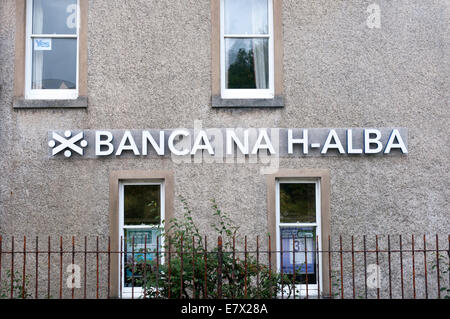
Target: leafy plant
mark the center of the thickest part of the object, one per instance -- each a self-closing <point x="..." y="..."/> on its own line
<point x="18" y="287"/>
<point x="191" y="270"/>
<point x="442" y="272"/>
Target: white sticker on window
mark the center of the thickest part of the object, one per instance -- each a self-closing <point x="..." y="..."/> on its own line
<point x="42" y="44"/>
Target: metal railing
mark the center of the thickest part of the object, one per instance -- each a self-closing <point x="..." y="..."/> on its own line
<point x="380" y="267"/>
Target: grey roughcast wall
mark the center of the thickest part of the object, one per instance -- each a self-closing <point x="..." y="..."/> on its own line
<point x="149" y="67"/>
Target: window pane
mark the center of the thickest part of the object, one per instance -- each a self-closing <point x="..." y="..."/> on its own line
<point x="297" y="203"/>
<point x="142" y="205"/>
<point x="247" y="63"/>
<point x="246" y="17"/>
<point x="54" y="16"/>
<point x="299" y="245"/>
<point x="134" y="263"/>
<point x="54" y="63"/>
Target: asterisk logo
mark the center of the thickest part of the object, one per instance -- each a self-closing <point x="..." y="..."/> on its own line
<point x="67" y="143"/>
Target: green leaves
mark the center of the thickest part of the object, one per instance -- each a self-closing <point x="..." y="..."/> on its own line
<point x="18" y="287"/>
<point x="190" y="270"/>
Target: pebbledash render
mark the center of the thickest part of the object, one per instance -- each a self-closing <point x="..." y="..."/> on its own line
<point x="322" y="119"/>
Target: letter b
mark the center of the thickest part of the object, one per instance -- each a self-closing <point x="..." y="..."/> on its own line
<point x="368" y="141"/>
<point x="99" y="143"/>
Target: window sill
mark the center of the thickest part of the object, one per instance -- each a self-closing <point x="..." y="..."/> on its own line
<point x="22" y="103"/>
<point x="276" y="102"/>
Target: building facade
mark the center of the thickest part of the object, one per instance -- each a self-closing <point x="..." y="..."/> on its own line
<point x="107" y="104"/>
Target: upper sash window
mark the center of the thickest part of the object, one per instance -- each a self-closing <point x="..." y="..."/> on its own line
<point x="247" y="49"/>
<point x="52" y="29"/>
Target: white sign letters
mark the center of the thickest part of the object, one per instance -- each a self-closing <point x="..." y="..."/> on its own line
<point x="229" y="142"/>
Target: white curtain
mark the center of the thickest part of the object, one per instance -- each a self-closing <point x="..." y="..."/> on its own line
<point x="259" y="57"/>
<point x="259" y="49"/>
<point x="38" y="56"/>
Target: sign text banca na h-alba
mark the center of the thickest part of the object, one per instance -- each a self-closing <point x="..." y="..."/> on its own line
<point x="225" y="142"/>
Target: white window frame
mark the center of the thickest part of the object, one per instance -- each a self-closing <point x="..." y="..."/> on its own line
<point x="313" y="289"/>
<point x="136" y="292"/>
<point x="42" y="94"/>
<point x="246" y="93"/>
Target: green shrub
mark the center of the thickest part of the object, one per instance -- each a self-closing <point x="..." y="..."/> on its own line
<point x="18" y="289"/>
<point x="192" y="277"/>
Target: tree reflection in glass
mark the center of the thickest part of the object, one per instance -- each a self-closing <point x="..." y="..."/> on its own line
<point x="247" y="63"/>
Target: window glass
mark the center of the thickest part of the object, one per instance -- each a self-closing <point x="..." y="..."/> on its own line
<point x="54" y="63"/>
<point x="297" y="203"/>
<point x="135" y="259"/>
<point x="246" y="17"/>
<point x="247" y="63"/>
<point x="142" y="204"/>
<point x="54" y="17"/>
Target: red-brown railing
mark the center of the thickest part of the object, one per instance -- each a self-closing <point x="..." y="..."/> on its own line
<point x="395" y="267"/>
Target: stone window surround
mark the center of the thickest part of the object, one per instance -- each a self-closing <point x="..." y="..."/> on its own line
<point x="115" y="178"/>
<point x="19" y="101"/>
<point x="323" y="175"/>
<point x="216" y="99"/>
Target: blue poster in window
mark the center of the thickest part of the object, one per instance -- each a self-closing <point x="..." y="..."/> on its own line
<point x="138" y="236"/>
<point x="298" y="245"/>
<point x="136" y="257"/>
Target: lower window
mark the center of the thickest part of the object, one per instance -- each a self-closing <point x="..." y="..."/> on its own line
<point x="141" y="212"/>
<point x="299" y="233"/>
